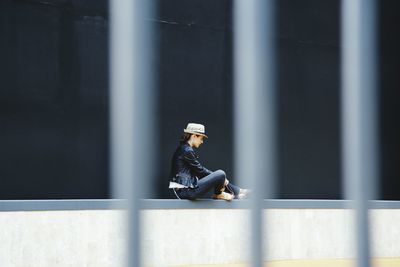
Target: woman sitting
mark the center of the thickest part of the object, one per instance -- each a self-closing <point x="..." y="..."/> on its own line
<point x="189" y="179"/>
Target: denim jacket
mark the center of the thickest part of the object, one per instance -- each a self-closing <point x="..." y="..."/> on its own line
<point x="186" y="168"/>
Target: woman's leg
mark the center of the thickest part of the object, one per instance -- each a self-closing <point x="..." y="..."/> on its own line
<point x="233" y="189"/>
<point x="239" y="193"/>
<point x="214" y="181"/>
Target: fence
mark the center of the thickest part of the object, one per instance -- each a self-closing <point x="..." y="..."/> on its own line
<point x="132" y="121"/>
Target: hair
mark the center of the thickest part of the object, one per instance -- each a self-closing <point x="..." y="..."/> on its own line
<point x="184" y="138"/>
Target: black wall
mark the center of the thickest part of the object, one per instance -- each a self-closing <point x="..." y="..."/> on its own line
<point x="389" y="98"/>
<point x="308" y="108"/>
<point x="53" y="99"/>
<point x="194" y="79"/>
<point x="54" y="94"/>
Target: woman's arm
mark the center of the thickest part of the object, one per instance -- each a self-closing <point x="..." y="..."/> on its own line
<point x="192" y="160"/>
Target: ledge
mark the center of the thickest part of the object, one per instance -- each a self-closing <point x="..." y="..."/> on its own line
<point x="111" y="204"/>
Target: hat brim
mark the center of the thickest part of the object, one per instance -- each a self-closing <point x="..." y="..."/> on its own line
<point x="191" y="132"/>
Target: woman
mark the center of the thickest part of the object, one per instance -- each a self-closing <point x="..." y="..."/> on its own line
<point x="189" y="179"/>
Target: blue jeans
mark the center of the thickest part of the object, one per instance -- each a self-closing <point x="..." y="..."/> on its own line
<point x="215" y="180"/>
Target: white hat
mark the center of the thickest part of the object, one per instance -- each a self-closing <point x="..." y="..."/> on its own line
<point x="195" y="128"/>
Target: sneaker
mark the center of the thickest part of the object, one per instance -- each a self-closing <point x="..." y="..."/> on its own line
<point x="243" y="193"/>
<point x="224" y="196"/>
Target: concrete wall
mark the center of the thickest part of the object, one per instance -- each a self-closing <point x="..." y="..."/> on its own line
<point x="185" y="236"/>
<point x="62" y="238"/>
<point x="179" y="237"/>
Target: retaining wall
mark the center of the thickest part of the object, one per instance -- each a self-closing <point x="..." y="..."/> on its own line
<point x="72" y="234"/>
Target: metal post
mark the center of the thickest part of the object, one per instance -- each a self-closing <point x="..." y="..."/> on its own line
<point x="359" y="114"/>
<point x="131" y="110"/>
<point x="254" y="102"/>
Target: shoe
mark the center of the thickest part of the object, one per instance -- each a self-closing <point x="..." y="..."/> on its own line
<point x="224" y="196"/>
<point x="243" y="194"/>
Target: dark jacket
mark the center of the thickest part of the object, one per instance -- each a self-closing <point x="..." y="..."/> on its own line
<point x="185" y="167"/>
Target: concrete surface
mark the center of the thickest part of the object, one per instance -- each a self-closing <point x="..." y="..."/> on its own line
<point x="185" y="237"/>
<point x="62" y="238"/>
<point x="312" y="263"/>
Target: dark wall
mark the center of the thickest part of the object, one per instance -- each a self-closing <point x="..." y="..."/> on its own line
<point x="54" y="94"/>
<point x="308" y="107"/>
<point x="196" y="83"/>
<point x="389" y="47"/>
<point x="194" y="79"/>
<point x="53" y="99"/>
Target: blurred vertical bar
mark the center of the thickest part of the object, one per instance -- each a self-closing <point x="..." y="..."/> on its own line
<point x="131" y="110"/>
<point x="254" y="108"/>
<point x="359" y="114"/>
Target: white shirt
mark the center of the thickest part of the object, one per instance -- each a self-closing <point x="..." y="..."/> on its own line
<point x="176" y="185"/>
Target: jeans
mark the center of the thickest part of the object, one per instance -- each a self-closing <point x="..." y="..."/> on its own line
<point x="215" y="180"/>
